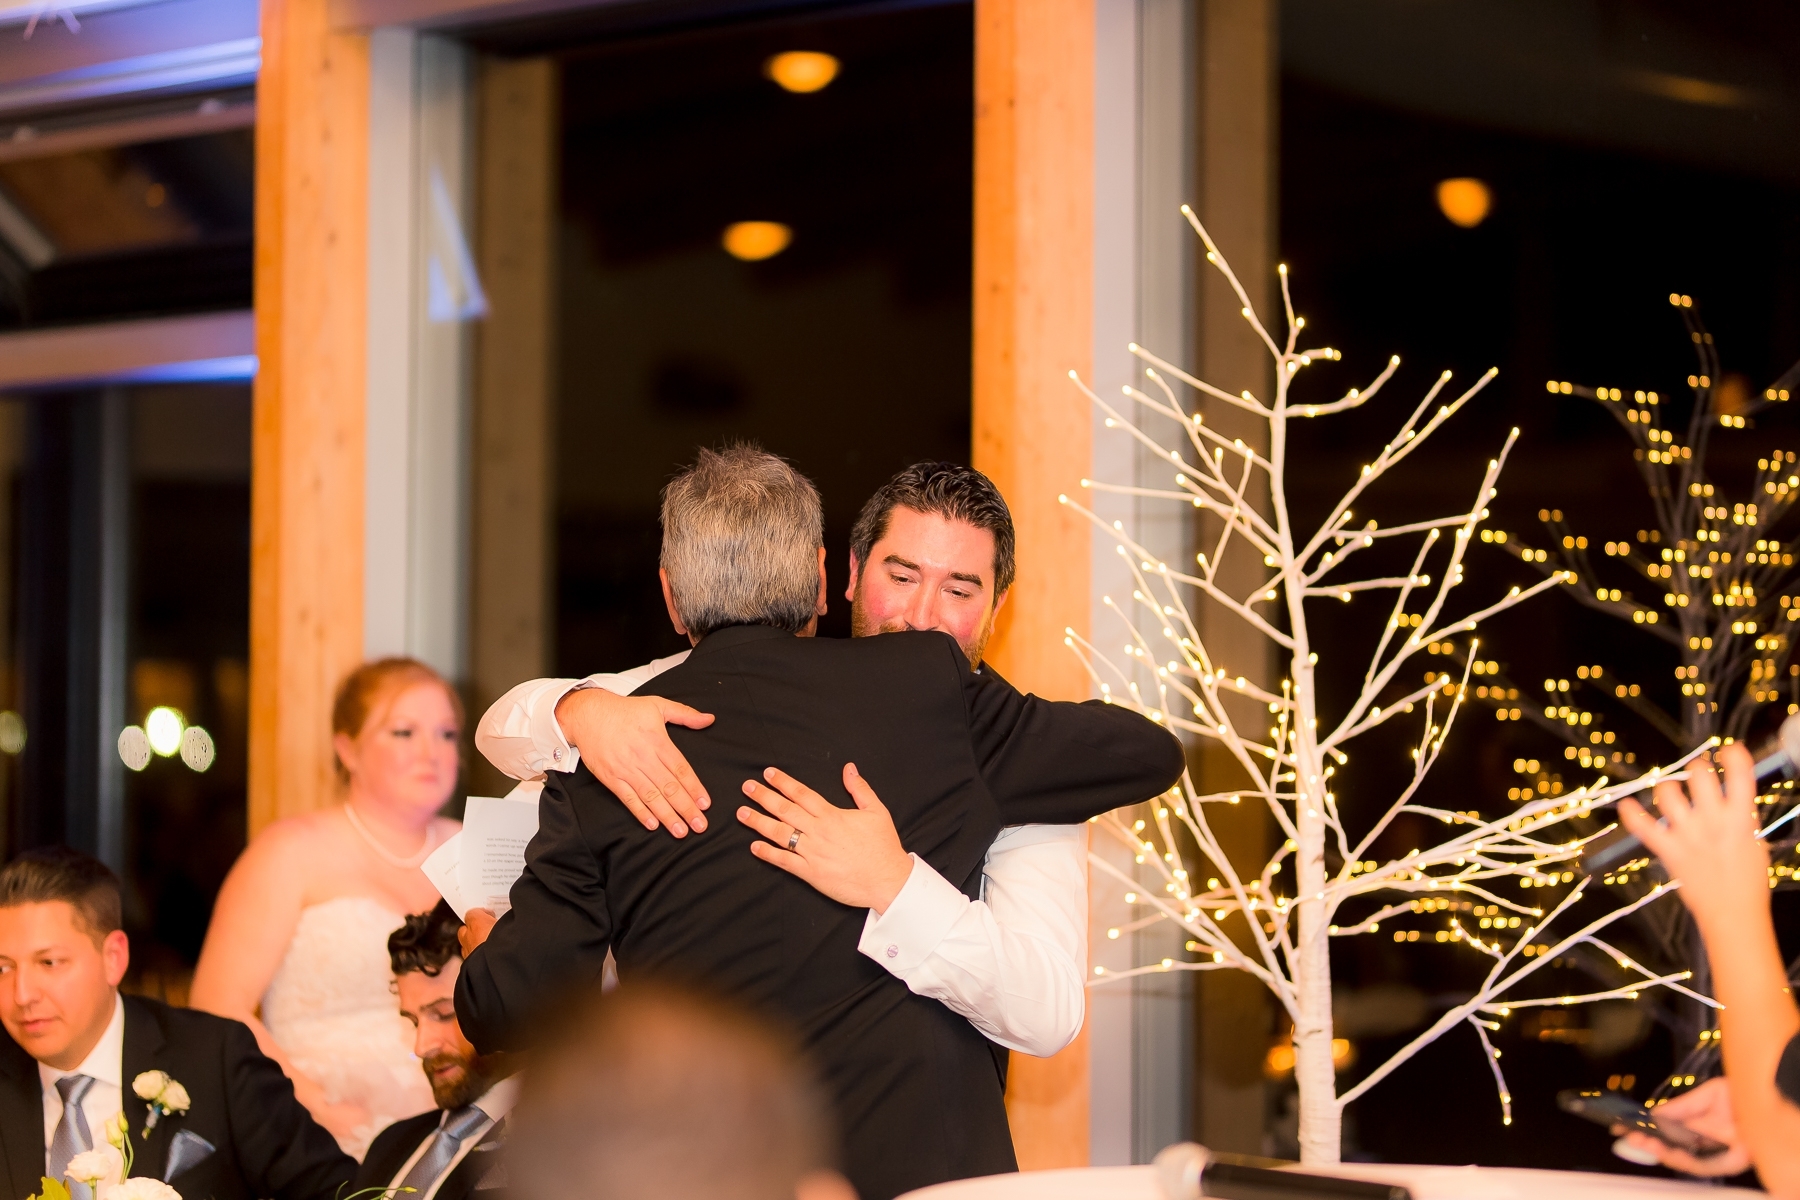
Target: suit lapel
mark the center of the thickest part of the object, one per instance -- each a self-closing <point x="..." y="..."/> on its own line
<point x="145" y="1050"/>
<point x="386" y="1159"/>
<point x="21" y="1119"/>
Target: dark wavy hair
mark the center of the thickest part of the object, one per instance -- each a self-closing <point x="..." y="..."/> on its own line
<point x="425" y="942"/>
<point x="951" y="491"/>
<point x="59" y="873"/>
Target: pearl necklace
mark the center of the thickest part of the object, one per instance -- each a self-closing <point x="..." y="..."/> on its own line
<point x="382" y="852"/>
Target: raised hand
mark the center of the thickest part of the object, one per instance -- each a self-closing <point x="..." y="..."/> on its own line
<point x="624" y="740"/>
<point x="1707" y="839"/>
<point x="852" y="855"/>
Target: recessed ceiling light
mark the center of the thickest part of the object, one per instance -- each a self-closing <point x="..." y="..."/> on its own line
<point x="1465" y="201"/>
<point x="754" y="241"/>
<point x="802" y="70"/>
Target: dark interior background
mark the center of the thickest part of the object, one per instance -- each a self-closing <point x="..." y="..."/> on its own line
<point x="848" y="353"/>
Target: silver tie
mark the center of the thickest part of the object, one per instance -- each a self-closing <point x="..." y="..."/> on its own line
<point x="72" y="1136"/>
<point x="457" y="1125"/>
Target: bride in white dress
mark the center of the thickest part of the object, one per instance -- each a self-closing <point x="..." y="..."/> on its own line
<point x="297" y="948"/>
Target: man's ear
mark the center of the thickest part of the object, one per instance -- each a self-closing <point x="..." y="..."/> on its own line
<point x="999" y="602"/>
<point x="855" y="575"/>
<point x="669" y="601"/>
<point x="115" y="954"/>
<point x="824" y="593"/>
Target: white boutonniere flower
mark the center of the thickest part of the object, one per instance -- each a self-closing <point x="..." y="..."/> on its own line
<point x="101" y="1165"/>
<point x="165" y="1096"/>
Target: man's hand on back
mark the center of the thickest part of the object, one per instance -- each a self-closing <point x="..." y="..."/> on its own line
<point x="853" y="855"/>
<point x="624" y="740"/>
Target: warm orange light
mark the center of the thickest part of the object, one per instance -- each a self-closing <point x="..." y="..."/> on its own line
<point x="1465" y="201"/>
<point x="1278" y="1063"/>
<point x="802" y="70"/>
<point x="754" y="241"/>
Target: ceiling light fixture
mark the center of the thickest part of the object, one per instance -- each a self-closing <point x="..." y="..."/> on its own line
<point x="753" y="241"/>
<point x="1465" y="201"/>
<point x="802" y="70"/>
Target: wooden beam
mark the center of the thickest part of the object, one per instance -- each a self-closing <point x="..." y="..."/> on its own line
<point x="306" y="551"/>
<point x="515" y="381"/>
<point x="1034" y="186"/>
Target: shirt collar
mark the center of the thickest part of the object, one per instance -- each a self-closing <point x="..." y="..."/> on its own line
<point x="499" y="1099"/>
<point x="105" y="1062"/>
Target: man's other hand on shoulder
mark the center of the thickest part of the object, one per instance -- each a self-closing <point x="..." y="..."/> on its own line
<point x="624" y="740"/>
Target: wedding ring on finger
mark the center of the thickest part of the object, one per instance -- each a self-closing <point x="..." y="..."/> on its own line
<point x="793" y="840"/>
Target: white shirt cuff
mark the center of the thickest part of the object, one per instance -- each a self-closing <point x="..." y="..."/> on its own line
<point x="915" y="924"/>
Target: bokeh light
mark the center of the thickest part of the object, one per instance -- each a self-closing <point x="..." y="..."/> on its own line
<point x="802" y="70"/>
<point x="163" y="727"/>
<point x="753" y="241"/>
<point x="1465" y="201"/>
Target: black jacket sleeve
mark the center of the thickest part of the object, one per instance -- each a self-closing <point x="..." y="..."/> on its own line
<point x="1787" y="1071"/>
<point x="555" y="937"/>
<point x="282" y="1152"/>
<point x="1058" y="762"/>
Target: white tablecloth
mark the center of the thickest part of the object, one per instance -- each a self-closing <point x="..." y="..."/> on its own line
<point x="1426" y="1182"/>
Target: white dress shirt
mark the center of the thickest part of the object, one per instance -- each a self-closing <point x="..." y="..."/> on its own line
<point x="1012" y="963"/>
<point x="496" y="1102"/>
<point x="105" y="1097"/>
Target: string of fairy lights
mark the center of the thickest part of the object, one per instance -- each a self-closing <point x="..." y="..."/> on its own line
<point x="1720" y="586"/>
<point x="1505" y="888"/>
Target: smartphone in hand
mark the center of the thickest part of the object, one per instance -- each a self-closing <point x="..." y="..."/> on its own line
<point x="1619" y="1111"/>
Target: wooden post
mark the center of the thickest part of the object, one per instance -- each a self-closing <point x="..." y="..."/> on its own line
<point x="1034" y="187"/>
<point x="306" y="556"/>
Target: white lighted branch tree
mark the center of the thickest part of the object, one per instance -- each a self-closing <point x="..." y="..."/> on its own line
<point x="1277" y="919"/>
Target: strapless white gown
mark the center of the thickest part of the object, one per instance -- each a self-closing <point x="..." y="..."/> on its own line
<point x="331" y="1007"/>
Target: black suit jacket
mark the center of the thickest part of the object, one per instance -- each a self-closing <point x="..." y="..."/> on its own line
<point x="480" y="1172"/>
<point x="954" y="755"/>
<point x="265" y="1143"/>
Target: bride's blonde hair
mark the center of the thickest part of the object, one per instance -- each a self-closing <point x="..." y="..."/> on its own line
<point x="366" y="689"/>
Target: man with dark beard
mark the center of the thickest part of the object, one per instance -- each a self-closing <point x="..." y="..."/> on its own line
<point x="448" y="1153"/>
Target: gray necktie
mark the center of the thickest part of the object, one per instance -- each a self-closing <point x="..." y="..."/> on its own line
<point x="72" y="1136"/>
<point x="457" y="1124"/>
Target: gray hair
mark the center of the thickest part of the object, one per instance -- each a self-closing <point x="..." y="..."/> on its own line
<point x="741" y="536"/>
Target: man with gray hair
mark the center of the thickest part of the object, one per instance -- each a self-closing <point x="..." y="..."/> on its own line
<point x="915" y="1088"/>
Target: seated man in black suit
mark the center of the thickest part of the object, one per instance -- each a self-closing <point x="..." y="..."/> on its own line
<point x="447" y="1153"/>
<point x="917" y="1090"/>
<point x="221" y="1120"/>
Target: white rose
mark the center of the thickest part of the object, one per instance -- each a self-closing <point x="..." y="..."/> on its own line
<point x="103" y="1164"/>
<point x="175" y="1097"/>
<point x="150" y="1084"/>
<point x="139" y="1189"/>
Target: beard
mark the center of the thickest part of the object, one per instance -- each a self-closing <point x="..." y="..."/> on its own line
<point x="864" y="625"/>
<point x="473" y="1076"/>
